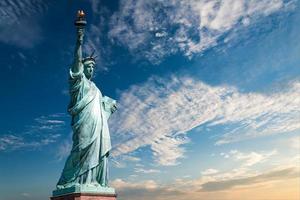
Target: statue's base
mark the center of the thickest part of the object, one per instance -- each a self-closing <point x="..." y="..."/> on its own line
<point x="85" y="196"/>
<point x="84" y="192"/>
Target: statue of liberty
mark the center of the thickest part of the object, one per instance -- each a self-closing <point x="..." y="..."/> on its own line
<point x="87" y="163"/>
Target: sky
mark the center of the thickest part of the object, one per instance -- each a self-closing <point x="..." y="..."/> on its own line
<point x="208" y="96"/>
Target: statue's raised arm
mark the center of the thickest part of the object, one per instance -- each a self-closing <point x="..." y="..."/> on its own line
<point x="80" y="23"/>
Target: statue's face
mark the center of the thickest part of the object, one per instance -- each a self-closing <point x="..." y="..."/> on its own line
<point x="89" y="70"/>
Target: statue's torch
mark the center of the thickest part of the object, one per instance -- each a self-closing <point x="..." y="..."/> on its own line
<point x="80" y="21"/>
<point x="80" y="24"/>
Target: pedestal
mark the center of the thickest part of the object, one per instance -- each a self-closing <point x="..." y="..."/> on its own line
<point x="85" y="196"/>
<point x="84" y="192"/>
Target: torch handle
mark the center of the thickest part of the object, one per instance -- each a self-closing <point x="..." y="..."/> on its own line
<point x="80" y="24"/>
<point x="80" y="21"/>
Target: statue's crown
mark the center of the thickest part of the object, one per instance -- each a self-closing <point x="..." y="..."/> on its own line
<point x="90" y="58"/>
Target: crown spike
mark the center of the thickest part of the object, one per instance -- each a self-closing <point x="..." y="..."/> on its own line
<point x="92" y="53"/>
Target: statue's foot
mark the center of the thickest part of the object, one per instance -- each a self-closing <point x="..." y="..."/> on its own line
<point x="103" y="185"/>
<point x="96" y="184"/>
<point x="60" y="187"/>
<point x="67" y="185"/>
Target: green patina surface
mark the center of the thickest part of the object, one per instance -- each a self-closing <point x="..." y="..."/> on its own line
<point x="86" y="168"/>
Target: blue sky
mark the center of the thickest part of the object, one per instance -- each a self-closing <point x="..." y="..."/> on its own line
<point x="208" y="95"/>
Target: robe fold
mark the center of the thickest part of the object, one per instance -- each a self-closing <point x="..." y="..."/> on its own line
<point x="87" y="162"/>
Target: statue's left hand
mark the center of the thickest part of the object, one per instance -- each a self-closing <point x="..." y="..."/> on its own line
<point x="114" y="108"/>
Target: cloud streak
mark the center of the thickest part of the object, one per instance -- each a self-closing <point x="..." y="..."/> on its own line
<point x="271" y="176"/>
<point x="146" y="171"/>
<point x="45" y="130"/>
<point x="199" y="188"/>
<point x="209" y="171"/>
<point x="18" y="22"/>
<point x="249" y="159"/>
<point x="157" y="29"/>
<point x="12" y="142"/>
<point x="160" y="112"/>
<point x="64" y="149"/>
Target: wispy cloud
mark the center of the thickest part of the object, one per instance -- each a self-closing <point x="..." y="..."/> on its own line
<point x="96" y="37"/>
<point x="25" y="194"/>
<point x="121" y="162"/>
<point x="248" y="167"/>
<point x="270" y="176"/>
<point x="251" y="158"/>
<point x="64" y="149"/>
<point x="160" y="112"/>
<point x="131" y="158"/>
<point x="149" y="184"/>
<point x="146" y="171"/>
<point x="43" y="131"/>
<point x="117" y="163"/>
<point x="294" y="142"/>
<point x="209" y="171"/>
<point x="19" y="21"/>
<point x="156" y="29"/>
<point x="199" y="188"/>
<point x="11" y="142"/>
<point x="52" y="123"/>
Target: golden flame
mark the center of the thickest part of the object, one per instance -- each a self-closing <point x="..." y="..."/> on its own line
<point x="80" y="13"/>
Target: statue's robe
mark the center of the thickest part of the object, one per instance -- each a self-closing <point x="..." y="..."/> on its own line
<point x="87" y="162"/>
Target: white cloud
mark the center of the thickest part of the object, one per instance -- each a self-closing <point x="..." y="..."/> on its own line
<point x="251" y="158"/>
<point x="95" y="37"/>
<point x="204" y="189"/>
<point x="117" y="163"/>
<point x="156" y="29"/>
<point x="11" y="142"/>
<point x="121" y="162"/>
<point x="209" y="171"/>
<point x="131" y="158"/>
<point x="53" y="122"/>
<point x="64" y="149"/>
<point x="121" y="184"/>
<point x="160" y="112"/>
<point x="146" y="171"/>
<point x="236" y="173"/>
<point x="25" y="194"/>
<point x="43" y="131"/>
<point x="49" y="121"/>
<point x="277" y="174"/>
<point x="294" y="142"/>
<point x="19" y="21"/>
<point x="239" y="175"/>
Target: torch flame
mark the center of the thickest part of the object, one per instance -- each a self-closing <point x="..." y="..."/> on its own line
<point x="80" y="13"/>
